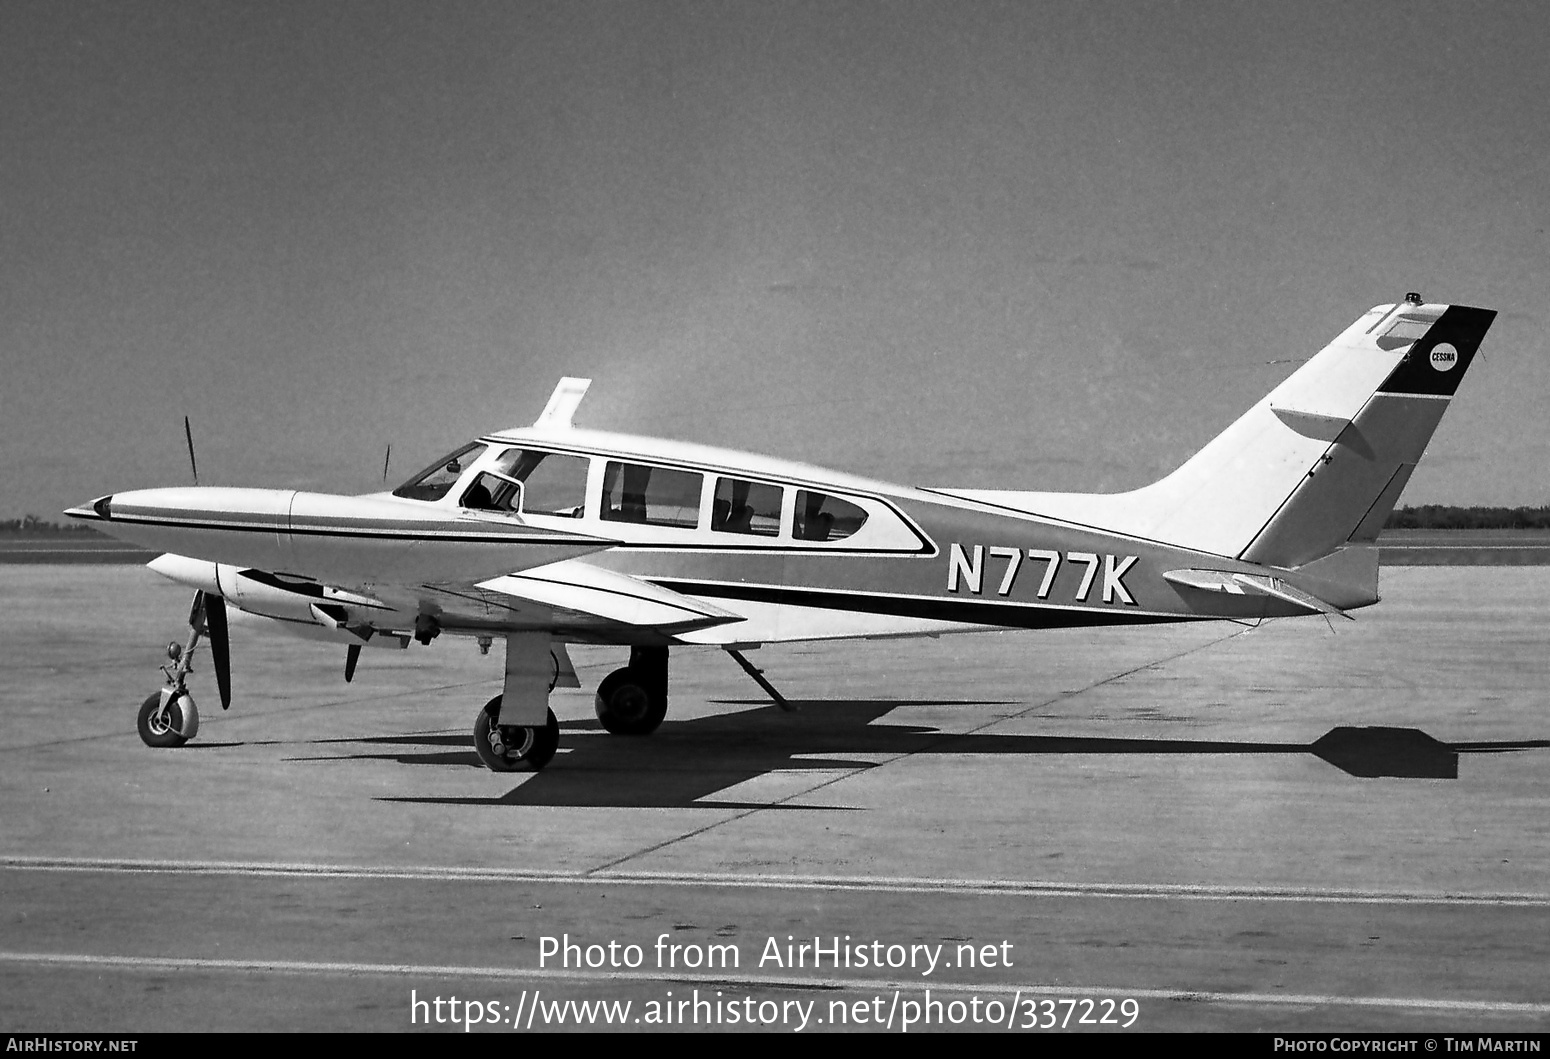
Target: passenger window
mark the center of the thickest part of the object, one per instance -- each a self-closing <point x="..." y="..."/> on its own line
<point x="433" y="482"/>
<point x="657" y="496"/>
<point x="553" y="483"/>
<point x="825" y="518"/>
<point x="746" y="507"/>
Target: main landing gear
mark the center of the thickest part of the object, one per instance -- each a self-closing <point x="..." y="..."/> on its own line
<point x="633" y="700"/>
<point x="516" y="730"/>
<point x="514" y="747"/>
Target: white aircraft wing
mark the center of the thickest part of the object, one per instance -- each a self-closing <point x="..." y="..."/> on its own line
<point x="564" y="597"/>
<point x="584" y="589"/>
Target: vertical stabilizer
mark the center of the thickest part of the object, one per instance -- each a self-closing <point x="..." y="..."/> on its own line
<point x="1317" y="463"/>
<point x="1348" y="493"/>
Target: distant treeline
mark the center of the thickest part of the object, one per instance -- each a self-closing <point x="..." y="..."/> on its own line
<point x="1441" y="516"/>
<point x="33" y="526"/>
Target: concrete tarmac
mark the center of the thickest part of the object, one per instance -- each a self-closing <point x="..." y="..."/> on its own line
<point x="1291" y="827"/>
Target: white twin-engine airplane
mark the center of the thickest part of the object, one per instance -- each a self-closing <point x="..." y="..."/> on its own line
<point x="551" y="534"/>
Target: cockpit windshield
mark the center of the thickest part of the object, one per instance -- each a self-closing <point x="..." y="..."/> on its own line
<point x="433" y="482"/>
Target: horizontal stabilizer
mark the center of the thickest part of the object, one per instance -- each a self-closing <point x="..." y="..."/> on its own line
<point x="1275" y="586"/>
<point x="1240" y="584"/>
<point x="1206" y="581"/>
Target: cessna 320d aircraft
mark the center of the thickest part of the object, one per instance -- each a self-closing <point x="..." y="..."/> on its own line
<point x="551" y="534"/>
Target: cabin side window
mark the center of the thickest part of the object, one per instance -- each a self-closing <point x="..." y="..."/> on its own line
<point x="656" y="496"/>
<point x="434" y="482"/>
<point x="746" y="507"/>
<point x="820" y="517"/>
<point x="493" y="492"/>
<point x="553" y="483"/>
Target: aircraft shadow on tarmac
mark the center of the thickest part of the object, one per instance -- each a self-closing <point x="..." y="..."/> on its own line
<point x="686" y="762"/>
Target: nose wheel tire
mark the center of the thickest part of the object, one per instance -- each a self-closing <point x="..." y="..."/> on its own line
<point x="514" y="747"/>
<point x="158" y="727"/>
<point x="626" y="705"/>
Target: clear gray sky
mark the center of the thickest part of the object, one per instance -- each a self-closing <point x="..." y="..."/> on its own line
<point x="1053" y="245"/>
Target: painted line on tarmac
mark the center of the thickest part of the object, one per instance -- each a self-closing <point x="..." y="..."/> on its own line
<point x="762" y="881"/>
<point x="752" y="981"/>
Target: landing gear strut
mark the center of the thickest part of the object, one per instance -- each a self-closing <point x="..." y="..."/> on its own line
<point x="169" y="717"/>
<point x="633" y="700"/>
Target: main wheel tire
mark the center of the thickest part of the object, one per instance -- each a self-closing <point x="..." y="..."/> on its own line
<point x="514" y="747"/>
<point x="160" y="729"/>
<point x="626" y="706"/>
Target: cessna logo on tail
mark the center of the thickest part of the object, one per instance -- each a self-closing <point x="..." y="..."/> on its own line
<point x="967" y="568"/>
<point x="1444" y="356"/>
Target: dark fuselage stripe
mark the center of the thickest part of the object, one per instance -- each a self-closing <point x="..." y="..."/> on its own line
<point x="957" y="610"/>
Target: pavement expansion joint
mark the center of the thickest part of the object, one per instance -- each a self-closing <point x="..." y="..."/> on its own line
<point x="889" y="884"/>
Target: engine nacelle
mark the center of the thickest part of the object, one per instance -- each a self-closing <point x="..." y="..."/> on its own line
<point x="268" y="595"/>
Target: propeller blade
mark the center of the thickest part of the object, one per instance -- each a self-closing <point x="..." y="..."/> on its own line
<point x="188" y="434"/>
<point x="220" y="645"/>
<point x="352" y="655"/>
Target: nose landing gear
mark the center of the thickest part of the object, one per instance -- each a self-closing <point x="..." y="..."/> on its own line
<point x="169" y="717"/>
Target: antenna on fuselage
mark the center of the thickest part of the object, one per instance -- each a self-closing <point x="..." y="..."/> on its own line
<point x="188" y="435"/>
<point x="385" y="458"/>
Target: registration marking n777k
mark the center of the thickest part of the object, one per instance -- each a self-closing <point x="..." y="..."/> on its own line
<point x="968" y="568"/>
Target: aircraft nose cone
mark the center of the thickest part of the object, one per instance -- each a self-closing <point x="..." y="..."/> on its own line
<point x="101" y="508"/>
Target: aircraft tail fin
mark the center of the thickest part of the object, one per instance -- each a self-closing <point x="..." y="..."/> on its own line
<point x="1314" y="467"/>
<point x="1346" y="495"/>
